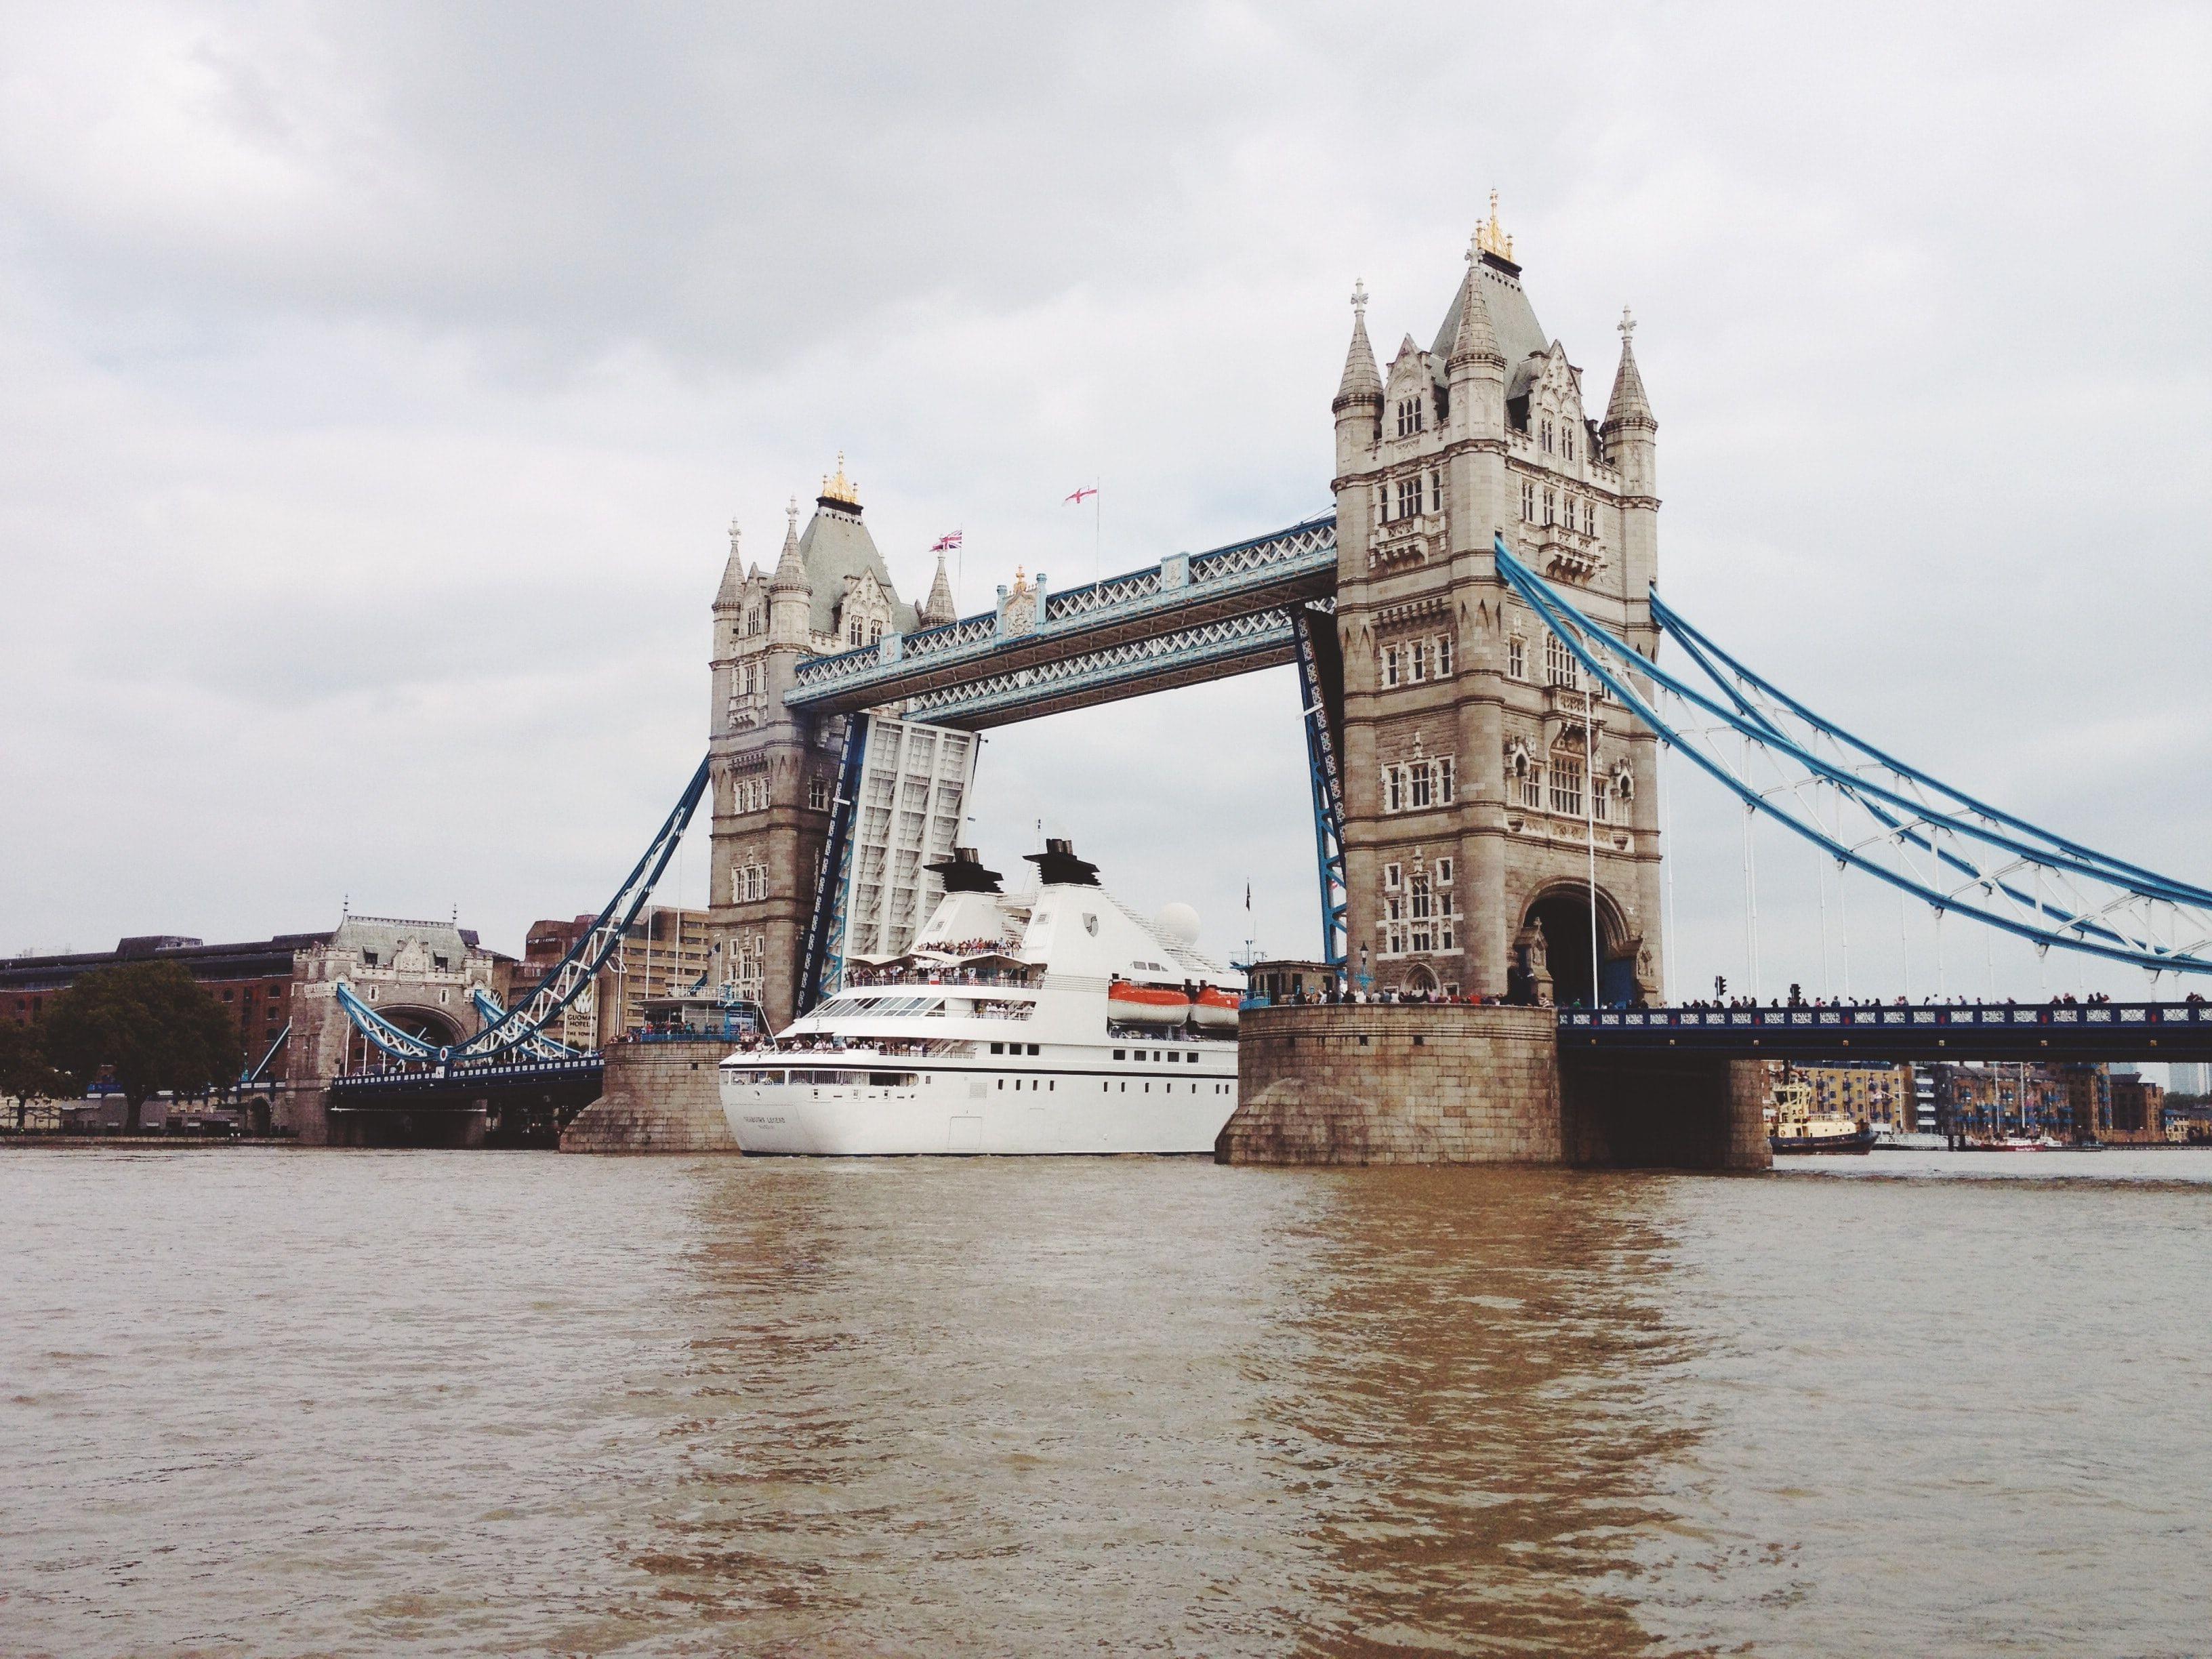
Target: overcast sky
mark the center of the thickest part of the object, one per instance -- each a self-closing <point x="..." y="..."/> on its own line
<point x="376" y="384"/>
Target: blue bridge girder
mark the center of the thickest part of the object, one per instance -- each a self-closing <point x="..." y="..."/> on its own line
<point x="1193" y="617"/>
<point x="1899" y="1031"/>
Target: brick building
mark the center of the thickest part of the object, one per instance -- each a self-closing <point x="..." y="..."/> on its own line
<point x="1877" y="1093"/>
<point x="253" y="980"/>
<point x="2138" y="1111"/>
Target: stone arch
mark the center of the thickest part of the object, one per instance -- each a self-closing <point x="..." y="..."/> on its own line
<point x="1553" y="944"/>
<point x="1421" y="979"/>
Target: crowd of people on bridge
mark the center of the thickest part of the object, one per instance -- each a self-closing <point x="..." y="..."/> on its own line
<point x="1798" y="999"/>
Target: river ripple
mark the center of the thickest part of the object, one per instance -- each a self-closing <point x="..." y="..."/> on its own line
<point x="275" y="1403"/>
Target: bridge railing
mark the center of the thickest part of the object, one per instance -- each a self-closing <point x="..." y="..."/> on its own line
<point x="2086" y="1016"/>
<point x="459" y="1076"/>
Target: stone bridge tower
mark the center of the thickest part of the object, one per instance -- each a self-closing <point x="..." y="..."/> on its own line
<point x="774" y="771"/>
<point x="1480" y="765"/>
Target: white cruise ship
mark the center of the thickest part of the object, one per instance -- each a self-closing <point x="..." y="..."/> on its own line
<point x="1054" y="1024"/>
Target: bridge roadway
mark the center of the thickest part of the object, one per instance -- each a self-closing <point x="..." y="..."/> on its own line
<point x="1192" y="617"/>
<point x="2086" y="1031"/>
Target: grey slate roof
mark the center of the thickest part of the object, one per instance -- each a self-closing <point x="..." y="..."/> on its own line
<point x="836" y="545"/>
<point x="1514" y="319"/>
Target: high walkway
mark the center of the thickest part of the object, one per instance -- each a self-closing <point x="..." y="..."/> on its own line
<point x="1193" y="617"/>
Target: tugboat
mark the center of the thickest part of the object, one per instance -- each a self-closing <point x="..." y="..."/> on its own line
<point x="1797" y="1129"/>
<point x="1055" y="1024"/>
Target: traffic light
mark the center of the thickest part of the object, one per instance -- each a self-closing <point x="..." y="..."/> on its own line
<point x="1720" y="985"/>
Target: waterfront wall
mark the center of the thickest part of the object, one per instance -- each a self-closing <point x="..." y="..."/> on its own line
<point x="658" y="1097"/>
<point x="1414" y="1083"/>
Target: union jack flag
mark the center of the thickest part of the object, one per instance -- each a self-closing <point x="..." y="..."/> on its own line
<point x="946" y="543"/>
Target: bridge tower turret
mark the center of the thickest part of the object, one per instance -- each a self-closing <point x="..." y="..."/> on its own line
<point x="775" y="769"/>
<point x="1631" y="448"/>
<point x="1477" y="786"/>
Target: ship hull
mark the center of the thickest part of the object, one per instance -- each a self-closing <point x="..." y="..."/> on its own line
<point x="1815" y="1146"/>
<point x="978" y="1114"/>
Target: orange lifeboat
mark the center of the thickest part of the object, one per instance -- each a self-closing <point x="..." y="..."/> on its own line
<point x="1146" y="1005"/>
<point x="1215" y="1008"/>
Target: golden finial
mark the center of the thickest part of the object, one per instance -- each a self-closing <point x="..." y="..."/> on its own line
<point x="840" y="488"/>
<point x="1491" y="238"/>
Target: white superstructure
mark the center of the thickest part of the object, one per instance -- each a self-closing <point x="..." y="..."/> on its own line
<point x="1061" y="1023"/>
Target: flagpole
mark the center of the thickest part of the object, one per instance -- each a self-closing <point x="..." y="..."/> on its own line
<point x="1097" y="531"/>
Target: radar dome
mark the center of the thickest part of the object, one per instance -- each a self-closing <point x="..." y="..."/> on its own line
<point x="1177" y="924"/>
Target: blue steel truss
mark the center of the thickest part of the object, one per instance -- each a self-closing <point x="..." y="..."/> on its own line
<point x="1322" y="719"/>
<point x="568" y="979"/>
<point x="825" y="963"/>
<point x="1874" y="814"/>
<point x="540" y="1046"/>
<point x="260" y="1068"/>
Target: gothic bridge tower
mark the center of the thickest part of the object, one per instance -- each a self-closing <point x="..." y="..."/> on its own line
<point x="1481" y="765"/>
<point x="775" y="771"/>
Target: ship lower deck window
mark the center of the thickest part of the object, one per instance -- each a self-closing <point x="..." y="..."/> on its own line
<point x="1121" y="1054"/>
<point x="998" y="1048"/>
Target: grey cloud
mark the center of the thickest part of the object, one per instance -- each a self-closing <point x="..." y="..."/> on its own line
<point x="371" y="377"/>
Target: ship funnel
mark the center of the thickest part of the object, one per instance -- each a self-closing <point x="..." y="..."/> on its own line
<point x="1058" y="865"/>
<point x="964" y="872"/>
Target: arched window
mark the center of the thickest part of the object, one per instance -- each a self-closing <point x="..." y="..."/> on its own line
<point x="1517" y="658"/>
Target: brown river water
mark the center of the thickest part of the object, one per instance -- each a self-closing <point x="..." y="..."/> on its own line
<point x="282" y="1403"/>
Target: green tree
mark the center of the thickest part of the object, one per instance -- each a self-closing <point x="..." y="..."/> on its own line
<point x="151" y="1024"/>
<point x="24" y="1073"/>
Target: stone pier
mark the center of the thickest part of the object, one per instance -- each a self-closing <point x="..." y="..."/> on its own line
<point x="658" y="1097"/>
<point x="1413" y="1083"/>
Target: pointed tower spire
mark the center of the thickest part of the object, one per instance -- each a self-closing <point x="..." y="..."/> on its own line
<point x="1360" y="384"/>
<point x="937" y="609"/>
<point x="1628" y="406"/>
<point x="734" y="573"/>
<point x="790" y="569"/>
<point x="1476" y="340"/>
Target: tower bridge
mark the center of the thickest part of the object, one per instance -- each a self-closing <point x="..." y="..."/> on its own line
<point x="1479" y="637"/>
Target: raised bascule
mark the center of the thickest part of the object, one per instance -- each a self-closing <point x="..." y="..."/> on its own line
<point x="1479" y="637"/>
